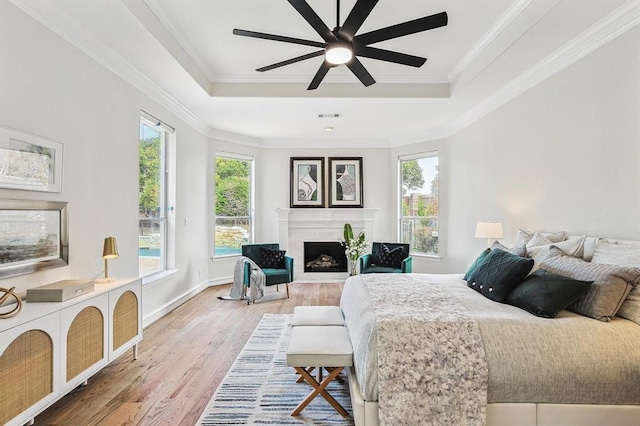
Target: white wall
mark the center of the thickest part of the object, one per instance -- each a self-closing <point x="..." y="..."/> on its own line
<point x="273" y="184"/>
<point x="51" y="89"/>
<point x="563" y="156"/>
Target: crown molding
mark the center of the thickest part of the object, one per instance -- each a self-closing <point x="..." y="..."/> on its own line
<point x="305" y="78"/>
<point x="611" y="26"/>
<point x="52" y="17"/>
<point x="331" y="90"/>
<point x="327" y="143"/>
<point x="496" y="29"/>
<point x="157" y="9"/>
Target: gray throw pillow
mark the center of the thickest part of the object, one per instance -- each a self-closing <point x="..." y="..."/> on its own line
<point x="622" y="255"/>
<point x="611" y="283"/>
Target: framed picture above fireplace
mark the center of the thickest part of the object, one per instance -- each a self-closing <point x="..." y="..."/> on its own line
<point x="345" y="182"/>
<point x="307" y="182"/>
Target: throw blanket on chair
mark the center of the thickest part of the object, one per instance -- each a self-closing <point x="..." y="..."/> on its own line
<point x="257" y="281"/>
<point x="432" y="368"/>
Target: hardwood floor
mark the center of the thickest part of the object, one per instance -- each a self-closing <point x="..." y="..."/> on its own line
<point x="181" y="361"/>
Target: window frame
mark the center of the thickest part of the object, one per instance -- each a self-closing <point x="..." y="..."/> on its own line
<point x="167" y="189"/>
<point x="251" y="218"/>
<point x="400" y="214"/>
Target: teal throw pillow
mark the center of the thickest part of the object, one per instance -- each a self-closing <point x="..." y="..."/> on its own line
<point x="499" y="274"/>
<point x="544" y="294"/>
<point x="476" y="263"/>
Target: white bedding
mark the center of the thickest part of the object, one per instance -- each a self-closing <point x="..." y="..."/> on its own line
<point x="567" y="360"/>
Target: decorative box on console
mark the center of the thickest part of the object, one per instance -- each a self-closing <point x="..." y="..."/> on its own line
<point x="60" y="291"/>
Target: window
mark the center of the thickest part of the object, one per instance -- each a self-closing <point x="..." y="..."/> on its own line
<point x="234" y="203"/>
<point x="419" y="203"/>
<point x="153" y="195"/>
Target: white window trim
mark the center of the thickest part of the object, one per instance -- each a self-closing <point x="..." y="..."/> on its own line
<point x="170" y="191"/>
<point x="409" y="157"/>
<point x="252" y="195"/>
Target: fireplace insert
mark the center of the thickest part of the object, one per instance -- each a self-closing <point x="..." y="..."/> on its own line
<point x="324" y="256"/>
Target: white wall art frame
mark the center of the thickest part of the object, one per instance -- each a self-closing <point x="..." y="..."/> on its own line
<point x="29" y="162"/>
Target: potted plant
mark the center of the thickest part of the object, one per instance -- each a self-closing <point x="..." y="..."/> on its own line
<point x="354" y="247"/>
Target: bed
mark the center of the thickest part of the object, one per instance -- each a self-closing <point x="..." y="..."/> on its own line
<point x="514" y="368"/>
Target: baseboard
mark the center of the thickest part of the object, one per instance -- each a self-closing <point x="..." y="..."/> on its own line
<point x="220" y="281"/>
<point x="163" y="310"/>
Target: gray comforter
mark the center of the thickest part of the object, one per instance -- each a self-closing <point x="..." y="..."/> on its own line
<point x="567" y="360"/>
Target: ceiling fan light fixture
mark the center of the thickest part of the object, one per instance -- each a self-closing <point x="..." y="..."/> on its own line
<point x="338" y="53"/>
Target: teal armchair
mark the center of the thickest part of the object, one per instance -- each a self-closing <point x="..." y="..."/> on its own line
<point x="274" y="276"/>
<point x="370" y="263"/>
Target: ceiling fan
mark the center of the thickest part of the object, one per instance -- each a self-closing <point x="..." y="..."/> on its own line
<point x="342" y="45"/>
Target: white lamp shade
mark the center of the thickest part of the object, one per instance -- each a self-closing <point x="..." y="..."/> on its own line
<point x="489" y="230"/>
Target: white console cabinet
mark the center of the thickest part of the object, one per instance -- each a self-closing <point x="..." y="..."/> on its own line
<point x="48" y="349"/>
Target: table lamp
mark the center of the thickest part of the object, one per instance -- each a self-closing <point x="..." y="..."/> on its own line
<point x="489" y="230"/>
<point x="109" y="251"/>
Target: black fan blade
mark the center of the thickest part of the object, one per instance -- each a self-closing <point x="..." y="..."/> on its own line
<point x="360" y="71"/>
<point x="406" y="28"/>
<point x="317" y="79"/>
<point x="313" y="19"/>
<point x="291" y="61"/>
<point x="274" y="37"/>
<point x="356" y="17"/>
<point x="389" y="56"/>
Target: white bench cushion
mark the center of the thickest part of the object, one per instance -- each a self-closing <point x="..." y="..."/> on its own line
<point x="317" y="315"/>
<point x="319" y="346"/>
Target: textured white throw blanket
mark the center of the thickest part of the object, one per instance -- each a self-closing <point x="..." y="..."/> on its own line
<point x="431" y="360"/>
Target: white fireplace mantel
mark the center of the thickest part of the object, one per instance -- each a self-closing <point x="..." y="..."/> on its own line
<point x="295" y="226"/>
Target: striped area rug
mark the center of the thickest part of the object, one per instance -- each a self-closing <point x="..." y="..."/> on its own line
<point x="260" y="388"/>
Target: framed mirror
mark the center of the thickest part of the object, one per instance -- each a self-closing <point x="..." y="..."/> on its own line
<point x="33" y="236"/>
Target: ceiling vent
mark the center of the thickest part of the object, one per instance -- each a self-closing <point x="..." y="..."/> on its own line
<point x="331" y="115"/>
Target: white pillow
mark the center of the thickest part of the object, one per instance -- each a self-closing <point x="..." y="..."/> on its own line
<point x="541" y="238"/>
<point x="616" y="254"/>
<point x="574" y="247"/>
<point x="522" y="238"/>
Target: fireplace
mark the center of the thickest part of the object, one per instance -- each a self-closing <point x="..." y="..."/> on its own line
<point x="295" y="226"/>
<point x="324" y="256"/>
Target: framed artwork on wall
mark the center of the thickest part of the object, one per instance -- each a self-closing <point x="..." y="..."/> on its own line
<point x="34" y="236"/>
<point x="29" y="162"/>
<point x="307" y="182"/>
<point x="345" y="182"/>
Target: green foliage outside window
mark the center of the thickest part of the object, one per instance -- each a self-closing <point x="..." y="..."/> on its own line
<point x="149" y="181"/>
<point x="233" y="205"/>
<point x="411" y="176"/>
<point x="232" y="187"/>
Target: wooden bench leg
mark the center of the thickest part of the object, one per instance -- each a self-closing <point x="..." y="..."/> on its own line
<point x="301" y="379"/>
<point x="338" y="378"/>
<point x="319" y="388"/>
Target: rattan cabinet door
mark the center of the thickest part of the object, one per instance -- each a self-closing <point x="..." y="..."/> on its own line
<point x="125" y="318"/>
<point x="29" y="366"/>
<point x="85" y="337"/>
